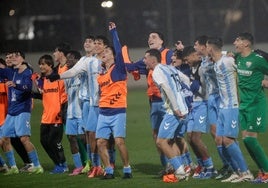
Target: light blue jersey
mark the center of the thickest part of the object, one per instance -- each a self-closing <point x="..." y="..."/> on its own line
<point x="225" y="70"/>
<point x="94" y="68"/>
<point x="72" y="86"/>
<point x="91" y="66"/>
<point x="171" y="78"/>
<point x="83" y="90"/>
<point x="212" y="89"/>
<point x="210" y="76"/>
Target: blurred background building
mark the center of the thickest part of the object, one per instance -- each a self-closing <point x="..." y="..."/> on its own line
<point x="37" y="26"/>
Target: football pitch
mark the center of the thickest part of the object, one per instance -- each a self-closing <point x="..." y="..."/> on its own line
<point x="142" y="152"/>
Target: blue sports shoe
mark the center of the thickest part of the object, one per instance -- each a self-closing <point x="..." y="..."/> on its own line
<point x="58" y="170"/>
<point x="65" y="167"/>
<point x="207" y="173"/>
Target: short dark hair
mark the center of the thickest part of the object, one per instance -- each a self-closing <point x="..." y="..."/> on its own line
<point x="178" y="53"/>
<point x="63" y="47"/>
<point x="75" y="53"/>
<point x="246" y="36"/>
<point x="21" y="53"/>
<point x="188" y="50"/>
<point x="216" y="41"/>
<point x="202" y="39"/>
<point x="104" y="39"/>
<point x="161" y="36"/>
<point x="48" y="60"/>
<point x="156" y="53"/>
<point x="90" y="37"/>
<point x="3" y="62"/>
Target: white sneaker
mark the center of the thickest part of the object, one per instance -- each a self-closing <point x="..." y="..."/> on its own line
<point x="28" y="167"/>
<point x="233" y="177"/>
<point x="246" y="176"/>
<point x="181" y="174"/>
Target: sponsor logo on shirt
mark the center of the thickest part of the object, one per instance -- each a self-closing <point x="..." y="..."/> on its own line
<point x="51" y="90"/>
<point x="244" y="72"/>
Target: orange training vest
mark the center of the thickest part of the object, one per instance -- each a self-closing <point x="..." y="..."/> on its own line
<point x="135" y="74"/>
<point x="62" y="70"/>
<point x="52" y="100"/>
<point x="112" y="94"/>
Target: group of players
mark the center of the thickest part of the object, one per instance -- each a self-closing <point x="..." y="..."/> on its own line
<point x="228" y="94"/>
<point x="193" y="90"/>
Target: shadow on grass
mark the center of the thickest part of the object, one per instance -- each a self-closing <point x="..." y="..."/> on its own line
<point x="147" y="168"/>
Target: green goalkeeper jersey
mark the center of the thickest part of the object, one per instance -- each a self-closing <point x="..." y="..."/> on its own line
<point x="251" y="71"/>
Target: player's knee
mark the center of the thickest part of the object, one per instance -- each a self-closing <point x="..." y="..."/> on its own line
<point x="101" y="143"/>
<point x="72" y="140"/>
<point x="160" y="143"/>
<point x="119" y="142"/>
<point x="25" y="140"/>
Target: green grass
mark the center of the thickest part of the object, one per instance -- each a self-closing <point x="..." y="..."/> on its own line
<point x="143" y="157"/>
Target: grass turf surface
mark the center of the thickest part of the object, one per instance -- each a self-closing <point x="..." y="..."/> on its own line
<point x="143" y="157"/>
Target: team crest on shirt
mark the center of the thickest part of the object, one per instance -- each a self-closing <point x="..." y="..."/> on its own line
<point x="248" y="64"/>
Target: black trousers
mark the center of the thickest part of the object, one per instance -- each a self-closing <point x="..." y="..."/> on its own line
<point x="51" y="137"/>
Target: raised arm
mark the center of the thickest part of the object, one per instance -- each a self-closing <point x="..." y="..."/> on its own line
<point x="119" y="61"/>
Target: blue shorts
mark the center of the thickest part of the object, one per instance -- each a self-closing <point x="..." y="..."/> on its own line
<point x="17" y="126"/>
<point x="169" y="126"/>
<point x="213" y="108"/>
<point x="198" y="118"/>
<point x="228" y="123"/>
<point x="92" y="119"/>
<point x="157" y="113"/>
<point x="85" y="112"/>
<point x="115" y="124"/>
<point x="181" y="130"/>
<point x="74" y="126"/>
